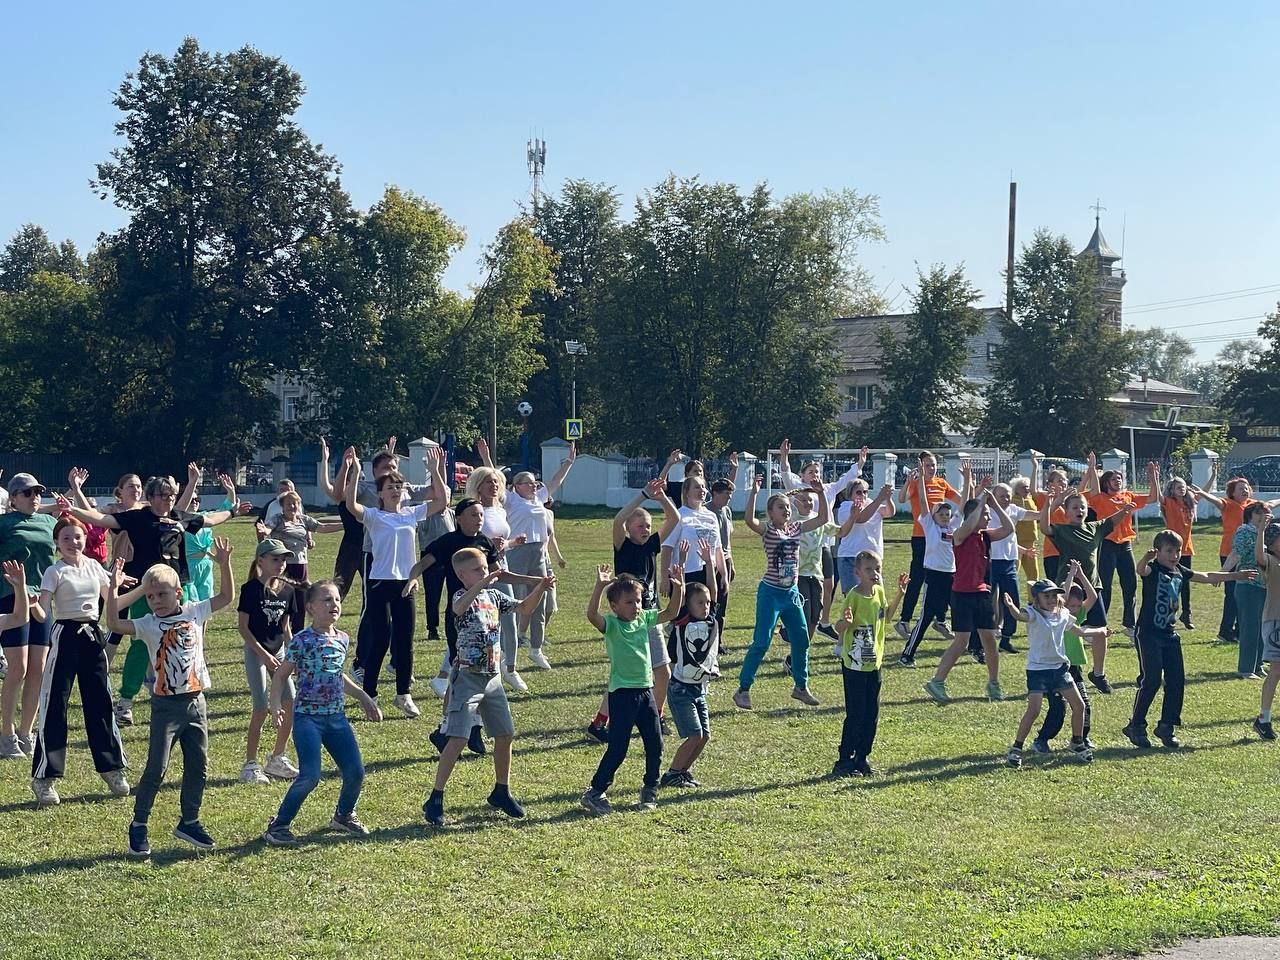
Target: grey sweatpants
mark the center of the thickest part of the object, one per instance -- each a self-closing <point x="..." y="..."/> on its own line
<point x="530" y="560"/>
<point x="180" y="717"/>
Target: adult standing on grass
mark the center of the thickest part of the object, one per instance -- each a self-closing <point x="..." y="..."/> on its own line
<point x="861" y="529"/>
<point x="1250" y="595"/>
<point x="1115" y="555"/>
<point x="156" y="537"/>
<point x="937" y="490"/>
<point x="1178" y="507"/>
<point x="348" y="564"/>
<point x="696" y="523"/>
<point x="777" y="596"/>
<point x="393" y="536"/>
<point x="527" y="515"/>
<point x="1055" y="483"/>
<point x="26" y="535"/>
<point x="487" y="487"/>
<point x="1077" y="539"/>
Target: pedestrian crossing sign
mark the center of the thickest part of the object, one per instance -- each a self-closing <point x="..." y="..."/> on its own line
<point x="573" y="429"/>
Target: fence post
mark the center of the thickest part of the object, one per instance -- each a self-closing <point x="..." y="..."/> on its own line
<point x="1024" y="462"/>
<point x="1116" y="459"/>
<point x="884" y="469"/>
<point x="953" y="463"/>
<point x="1203" y="462"/>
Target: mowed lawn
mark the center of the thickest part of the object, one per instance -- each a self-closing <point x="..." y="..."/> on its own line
<point x="944" y="854"/>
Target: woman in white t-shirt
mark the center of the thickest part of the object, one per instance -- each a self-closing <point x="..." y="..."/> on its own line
<point x="696" y="523"/>
<point x="393" y="530"/>
<point x="861" y="528"/>
<point x="72" y="592"/>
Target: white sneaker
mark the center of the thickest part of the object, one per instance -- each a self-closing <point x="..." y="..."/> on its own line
<point x="902" y="629"/>
<point x="280" y="767"/>
<point x="11" y="748"/>
<point x="251" y="772"/>
<point x="46" y="795"/>
<point x="942" y="630"/>
<point x="124" y="713"/>
<point x="404" y="703"/>
<point x="27" y="743"/>
<point x="439" y="686"/>
<point x="514" y="680"/>
<point x="539" y="660"/>
<point x="358" y="676"/>
<point x="116" y="782"/>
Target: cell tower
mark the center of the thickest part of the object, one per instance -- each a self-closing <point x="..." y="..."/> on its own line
<point x="536" y="154"/>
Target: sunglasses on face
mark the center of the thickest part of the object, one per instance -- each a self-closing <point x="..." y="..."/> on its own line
<point x="32" y="492"/>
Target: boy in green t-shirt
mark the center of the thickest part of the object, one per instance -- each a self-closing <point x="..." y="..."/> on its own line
<point x="861" y="655"/>
<point x="631" y="703"/>
<point x="1080" y="598"/>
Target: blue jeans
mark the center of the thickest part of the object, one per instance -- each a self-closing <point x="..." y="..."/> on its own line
<point x="772" y="603"/>
<point x="333" y="732"/>
<point x="848" y="579"/>
<point x="1004" y="579"/>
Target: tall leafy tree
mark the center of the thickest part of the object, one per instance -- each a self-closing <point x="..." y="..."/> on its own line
<point x="1165" y="356"/>
<point x="1211" y="378"/>
<point x="926" y="394"/>
<point x="29" y="252"/>
<point x="225" y="194"/>
<point x="1059" y="364"/>
<point x="1253" y="391"/>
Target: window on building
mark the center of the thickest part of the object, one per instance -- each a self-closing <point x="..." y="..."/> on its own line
<point x="861" y="397"/>
<point x="992" y="350"/>
<point x="292" y="409"/>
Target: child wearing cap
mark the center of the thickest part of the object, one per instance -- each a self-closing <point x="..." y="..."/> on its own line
<point x="476" y="692"/>
<point x="265" y="612"/>
<point x="1079" y="598"/>
<point x="1159" y="648"/>
<point x="1267" y="553"/>
<point x="1048" y="667"/>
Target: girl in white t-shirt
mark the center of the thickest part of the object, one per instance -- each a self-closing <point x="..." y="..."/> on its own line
<point x="938" y="525"/>
<point x="74" y="589"/>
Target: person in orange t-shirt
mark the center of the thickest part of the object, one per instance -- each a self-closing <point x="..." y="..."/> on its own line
<point x="1115" y="555"/>
<point x="936" y="490"/>
<point x="1239" y="495"/>
<point x="1055" y="483"/>
<point x="1178" y="507"/>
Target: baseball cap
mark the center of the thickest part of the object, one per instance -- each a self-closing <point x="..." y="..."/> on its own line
<point x="1044" y="586"/>
<point x="24" y="481"/>
<point x="273" y="548"/>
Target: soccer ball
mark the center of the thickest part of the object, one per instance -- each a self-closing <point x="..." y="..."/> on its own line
<point x="524" y="408"/>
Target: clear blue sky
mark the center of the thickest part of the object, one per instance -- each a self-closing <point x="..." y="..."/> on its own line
<point x="1166" y="111"/>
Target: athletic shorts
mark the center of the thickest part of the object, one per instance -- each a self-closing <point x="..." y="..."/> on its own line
<point x="972" y="611"/>
<point x="828" y="563"/>
<point x="33" y="633"/>
<point x="687" y="703"/>
<point x="476" y="697"/>
<point x="255" y="672"/>
<point x="1271" y="640"/>
<point x="658" y="655"/>
<point x="1050" y="681"/>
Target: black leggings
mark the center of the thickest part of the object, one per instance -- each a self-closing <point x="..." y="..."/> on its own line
<point x="347" y="564"/>
<point x="917" y="580"/>
<point x="388" y="620"/>
<point x="937" y="594"/>
<point x="630" y="708"/>
<point x="811" y="593"/>
<point x="1185" y="563"/>
<point x="1117" y="558"/>
<point x="433" y="587"/>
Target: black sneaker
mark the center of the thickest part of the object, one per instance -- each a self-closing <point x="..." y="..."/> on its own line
<point x="665" y="725"/>
<point x="686" y="780"/>
<point x="1100" y="681"/>
<point x="1264" y="730"/>
<point x="648" y="798"/>
<point x="501" y="799"/>
<point x="475" y="742"/>
<point x="598" y="731"/>
<point x="1167" y="737"/>
<point x="438" y="739"/>
<point x="432" y="635"/>
<point x="195" y="834"/>
<point x="433" y="810"/>
<point x="596" y="803"/>
<point x="864" y="767"/>
<point x="139" y="846"/>
<point x="844" y="768"/>
<point x="827" y="630"/>
<point x="1040" y="746"/>
<point x="1008" y="647"/>
<point x="906" y="661"/>
<point x="348" y="823"/>
<point x="672" y="778"/>
<point x="1186" y="622"/>
<point x="979" y="656"/>
<point x="279" y="835"/>
<point x="1137" y="736"/>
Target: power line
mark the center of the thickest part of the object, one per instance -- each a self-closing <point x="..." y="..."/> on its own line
<point x="1206" y="302"/>
<point x="1156" y="303"/>
<point x="1202" y="323"/>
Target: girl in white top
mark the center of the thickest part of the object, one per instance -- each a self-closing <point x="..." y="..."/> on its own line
<point x="393" y="530"/>
<point x="75" y="588"/>
<point x="696" y="523"/>
<point x="938" y="525"/>
<point x="525" y="504"/>
<point x="486" y="485"/>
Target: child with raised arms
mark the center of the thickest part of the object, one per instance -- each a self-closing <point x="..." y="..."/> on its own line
<point x="476" y="692"/>
<point x="1079" y="598"/>
<point x="317" y="654"/>
<point x="694" y="648"/>
<point x="866" y="610"/>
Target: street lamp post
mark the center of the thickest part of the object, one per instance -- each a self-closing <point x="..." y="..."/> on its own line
<point x="576" y="349"/>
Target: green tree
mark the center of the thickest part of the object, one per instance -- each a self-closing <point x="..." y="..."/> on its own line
<point x="225" y="194"/>
<point x="29" y="252"/>
<point x="1252" y="392"/>
<point x="1216" y="439"/>
<point x="1165" y="356"/>
<point x="1059" y="364"/>
<point x="926" y="394"/>
<point x="1211" y="378"/>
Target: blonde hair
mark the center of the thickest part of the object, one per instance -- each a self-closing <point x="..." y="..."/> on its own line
<point x="291" y="497"/>
<point x="468" y="555"/>
<point x="161" y="574"/>
<point x="479" y="476"/>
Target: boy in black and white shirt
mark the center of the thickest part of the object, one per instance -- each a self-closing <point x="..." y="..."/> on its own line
<point x="693" y="644"/>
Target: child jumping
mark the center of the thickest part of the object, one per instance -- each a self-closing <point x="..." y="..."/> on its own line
<point x="693" y="646"/>
<point x="1080" y="598"/>
<point x="317" y="654"/>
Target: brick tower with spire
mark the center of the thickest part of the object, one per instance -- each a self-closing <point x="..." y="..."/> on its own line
<point x="1109" y="285"/>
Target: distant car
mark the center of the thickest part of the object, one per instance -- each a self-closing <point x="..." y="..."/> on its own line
<point x="1263" y="473"/>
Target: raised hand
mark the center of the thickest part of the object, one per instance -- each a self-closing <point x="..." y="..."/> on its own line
<point x="227" y="484"/>
<point x="194" y="473"/>
<point x="862" y="456"/>
<point x="391" y="444"/>
<point x="482" y="448"/>
<point x="243" y="507"/>
<point x="323" y="444"/>
<point x="785" y="448"/>
<point x="604" y="575"/>
<point x="733" y="462"/>
<point x="76" y="477"/>
<point x="886" y="491"/>
<point x="117" y="574"/>
<point x="653" y="488"/>
<point x="704" y="551"/>
<point x="573" y="453"/>
<point x="683" y="553"/>
<point x="815" y="485"/>
<point x="222" y="550"/>
<point x="261" y="529"/>
<point x="16" y="576"/>
<point x="758" y="482"/>
<point x="1092" y="460"/>
<point x="676" y="576"/>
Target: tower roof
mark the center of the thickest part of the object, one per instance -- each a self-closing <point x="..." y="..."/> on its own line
<point x="1097" y="245"/>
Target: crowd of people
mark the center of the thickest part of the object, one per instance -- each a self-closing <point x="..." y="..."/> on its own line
<point x="78" y="579"/>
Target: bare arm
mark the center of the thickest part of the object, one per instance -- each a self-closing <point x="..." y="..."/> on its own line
<point x="622" y="516"/>
<point x="749" y="518"/>
<point x="970" y="523"/>
<point x="603" y="577"/>
<point x="823" y="516"/>
<point x="677" y="597"/>
<point x="1144" y="563"/>
<point x="189" y="490"/>
<point x="226" y="585"/>
<point x="1014" y="610"/>
<point x="554" y="486"/>
<point x="530" y="602"/>
<point x="114" y="623"/>
<point x="324" y="482"/>
<point x="482" y="448"/>
<point x="354" y="506"/>
<point x="464" y="601"/>
<point x="1006" y="524"/>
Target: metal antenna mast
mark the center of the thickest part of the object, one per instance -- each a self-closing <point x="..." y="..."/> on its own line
<point x="536" y="155"/>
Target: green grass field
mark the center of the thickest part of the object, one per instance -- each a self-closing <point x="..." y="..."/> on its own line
<point x="944" y="854"/>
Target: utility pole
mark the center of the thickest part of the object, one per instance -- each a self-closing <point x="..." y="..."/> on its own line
<point x="536" y="155"/>
<point x="1008" y="276"/>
